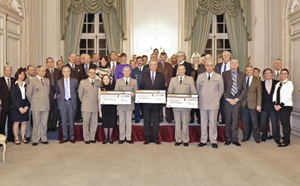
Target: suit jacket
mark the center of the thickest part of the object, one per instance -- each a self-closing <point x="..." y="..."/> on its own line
<point x="275" y="77"/>
<point x="56" y="76"/>
<point x="241" y="84"/>
<point x="218" y="68"/>
<point x="38" y="94"/>
<point x="209" y="91"/>
<point x="201" y="69"/>
<point x="254" y="95"/>
<point x="188" y="68"/>
<point x="5" y="93"/>
<point x="159" y="82"/>
<point x="88" y="95"/>
<point x="121" y="86"/>
<point x="167" y="71"/>
<point x="16" y="96"/>
<point x="77" y="73"/>
<point x="137" y="74"/>
<point x="91" y="65"/>
<point x="60" y="90"/>
<point x="187" y="86"/>
<point x="267" y="99"/>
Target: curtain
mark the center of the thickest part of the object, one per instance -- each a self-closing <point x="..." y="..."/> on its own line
<point x="238" y="21"/>
<point x="72" y="18"/>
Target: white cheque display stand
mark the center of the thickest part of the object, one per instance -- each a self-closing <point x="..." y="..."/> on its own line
<point x="115" y="98"/>
<point x="150" y="96"/>
<point x="182" y="101"/>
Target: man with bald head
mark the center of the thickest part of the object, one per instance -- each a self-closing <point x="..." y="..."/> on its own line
<point x="5" y="101"/>
<point x="37" y="94"/>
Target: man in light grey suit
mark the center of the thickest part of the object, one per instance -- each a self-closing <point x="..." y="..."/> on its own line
<point x="234" y="92"/>
<point x="277" y="69"/>
<point x="66" y="90"/>
<point x="182" y="84"/>
<point x="37" y="94"/>
<point x="210" y="89"/>
<point x="88" y="94"/>
<point x="125" y="111"/>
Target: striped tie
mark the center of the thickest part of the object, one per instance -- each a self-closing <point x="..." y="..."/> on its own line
<point x="233" y="87"/>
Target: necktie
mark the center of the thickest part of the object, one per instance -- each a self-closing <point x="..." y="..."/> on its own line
<point x="8" y="83"/>
<point x="248" y="81"/>
<point x="140" y="68"/>
<point x="113" y="68"/>
<point x="152" y="78"/>
<point x="86" y="69"/>
<point x="73" y="66"/>
<point x="277" y="74"/>
<point x="233" y="87"/>
<point x="52" y="78"/>
<point x="92" y="82"/>
<point x="224" y="70"/>
<point x="126" y="82"/>
<point x="208" y="77"/>
<point x="67" y="97"/>
<point x="180" y="80"/>
<point x="42" y="81"/>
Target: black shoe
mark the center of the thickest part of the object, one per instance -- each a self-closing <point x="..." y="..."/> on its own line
<point x="222" y="122"/>
<point x="277" y="141"/>
<point x="282" y="145"/>
<point x="121" y="141"/>
<point x="93" y="141"/>
<point x="49" y="130"/>
<point x="270" y="137"/>
<point x="282" y="138"/>
<point x="201" y="144"/>
<point x="192" y="121"/>
<point x="130" y="141"/>
<point x="214" y="145"/>
<point x="185" y="144"/>
<point x="264" y="140"/>
<point x="28" y="139"/>
<point x="111" y="141"/>
<point x="157" y="142"/>
<point x="34" y="144"/>
<point x="237" y="143"/>
<point x="146" y="142"/>
<point x="178" y="143"/>
<point x="73" y="141"/>
<point x="87" y="142"/>
<point x="227" y="143"/>
<point x="137" y="121"/>
<point x="105" y="141"/>
<point x="45" y="142"/>
<point x="62" y="141"/>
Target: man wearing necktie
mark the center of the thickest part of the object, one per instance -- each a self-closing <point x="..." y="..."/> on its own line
<point x="137" y="74"/>
<point x="251" y="105"/>
<point x="88" y="94"/>
<point x="277" y="69"/>
<point x="152" y="80"/>
<point x="210" y="89"/>
<point x="37" y="94"/>
<point x="267" y="107"/>
<point x="234" y="92"/>
<point x="66" y="90"/>
<point x="5" y="102"/>
<point x="182" y="84"/>
<point x="125" y="111"/>
<point x="53" y="74"/>
<point x="87" y="65"/>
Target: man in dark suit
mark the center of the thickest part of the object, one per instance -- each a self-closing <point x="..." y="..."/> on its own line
<point x="87" y="65"/>
<point x="174" y="63"/>
<point x="5" y="101"/>
<point x="220" y="68"/>
<point x="113" y="62"/>
<point x="181" y="61"/>
<point x="67" y="103"/>
<point x="137" y="74"/>
<point x="53" y="74"/>
<point x="167" y="70"/>
<point x="234" y="92"/>
<point x="251" y="105"/>
<point x="77" y="72"/>
<point x="152" y="80"/>
<point x="268" y="110"/>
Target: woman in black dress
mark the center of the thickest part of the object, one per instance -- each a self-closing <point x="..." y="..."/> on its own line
<point x="19" y="106"/>
<point x="108" y="112"/>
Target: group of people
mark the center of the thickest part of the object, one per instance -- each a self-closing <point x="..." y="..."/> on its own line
<point x="72" y="93"/>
